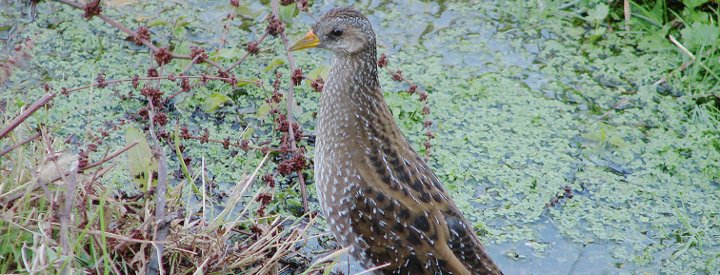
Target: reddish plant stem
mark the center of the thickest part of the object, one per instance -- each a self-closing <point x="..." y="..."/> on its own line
<point x="189" y="65"/>
<point x="153" y="78"/>
<point x="112" y="23"/>
<point x="132" y="33"/>
<point x="226" y="28"/>
<point x="49" y="96"/>
<point x="235" y="144"/>
<point x="247" y="53"/>
<point x="30" y="110"/>
<point x="110" y="156"/>
<point x="160" y="229"/>
<point x="4" y="202"/>
<point x="216" y="65"/>
<point x="290" y="103"/>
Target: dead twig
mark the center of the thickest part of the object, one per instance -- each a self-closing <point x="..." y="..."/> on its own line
<point x="110" y="156"/>
<point x="23" y="142"/>
<point x="161" y="230"/>
<point x="30" y="110"/>
<point x="627" y="13"/>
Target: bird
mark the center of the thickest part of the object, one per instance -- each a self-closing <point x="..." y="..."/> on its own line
<point x="381" y="199"/>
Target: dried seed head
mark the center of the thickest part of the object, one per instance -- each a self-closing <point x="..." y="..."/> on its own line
<point x="135" y="81"/>
<point x="163" y="56"/>
<point x="318" y="84"/>
<point x="152" y="72"/>
<point x="253" y="47"/>
<point x="92" y="9"/>
<point x="397" y="76"/>
<point x="161" y="119"/>
<point x="382" y="61"/>
<point x="275" y="26"/>
<point x="101" y="80"/>
<point x="297" y="76"/>
<point x="412" y="89"/>
<point x="198" y="55"/>
<point x="142" y="33"/>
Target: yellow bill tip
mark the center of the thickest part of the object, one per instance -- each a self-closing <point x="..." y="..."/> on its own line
<point x="309" y="41"/>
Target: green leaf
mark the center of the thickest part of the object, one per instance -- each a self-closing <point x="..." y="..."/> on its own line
<point x="184" y="49"/>
<point x="320" y="71"/>
<point x="226" y="54"/>
<point x="100" y="50"/>
<point x="248" y="133"/>
<point x="245" y="11"/>
<point x="287" y="13"/>
<point x="698" y="34"/>
<point x="141" y="162"/>
<point x="692" y="4"/>
<point x="246" y="81"/>
<point x="690" y="15"/>
<point x="656" y="40"/>
<point x="294" y="203"/>
<point x="596" y="34"/>
<point x="277" y="62"/>
<point x="263" y="110"/>
<point x="597" y="14"/>
<point x="155" y="23"/>
<point x="214" y="102"/>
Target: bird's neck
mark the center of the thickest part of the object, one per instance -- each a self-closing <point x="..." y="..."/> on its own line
<point x="352" y="99"/>
<point x="360" y="68"/>
<point x="352" y="81"/>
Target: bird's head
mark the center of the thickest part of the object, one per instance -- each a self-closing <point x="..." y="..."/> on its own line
<point x="344" y="31"/>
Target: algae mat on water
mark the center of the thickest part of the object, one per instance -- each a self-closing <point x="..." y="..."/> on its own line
<point x="550" y="136"/>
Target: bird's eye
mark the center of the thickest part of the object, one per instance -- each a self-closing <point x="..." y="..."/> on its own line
<point x="336" y="32"/>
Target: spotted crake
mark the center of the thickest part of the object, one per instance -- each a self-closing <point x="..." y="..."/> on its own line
<point x="380" y="197"/>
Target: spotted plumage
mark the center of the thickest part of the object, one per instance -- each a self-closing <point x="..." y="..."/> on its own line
<point x="380" y="197"/>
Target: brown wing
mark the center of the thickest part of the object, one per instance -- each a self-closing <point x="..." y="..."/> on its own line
<point x="404" y="217"/>
<point x="401" y="214"/>
<point x="467" y="247"/>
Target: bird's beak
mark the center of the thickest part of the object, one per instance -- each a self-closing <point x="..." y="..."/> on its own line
<point x="309" y="41"/>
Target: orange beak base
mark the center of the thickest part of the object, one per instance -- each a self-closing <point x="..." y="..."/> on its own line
<point x="309" y="41"/>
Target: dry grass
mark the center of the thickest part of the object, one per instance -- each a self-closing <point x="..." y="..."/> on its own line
<point x="58" y="218"/>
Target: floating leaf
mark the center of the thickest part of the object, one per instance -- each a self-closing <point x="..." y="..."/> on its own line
<point x="141" y="162"/>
